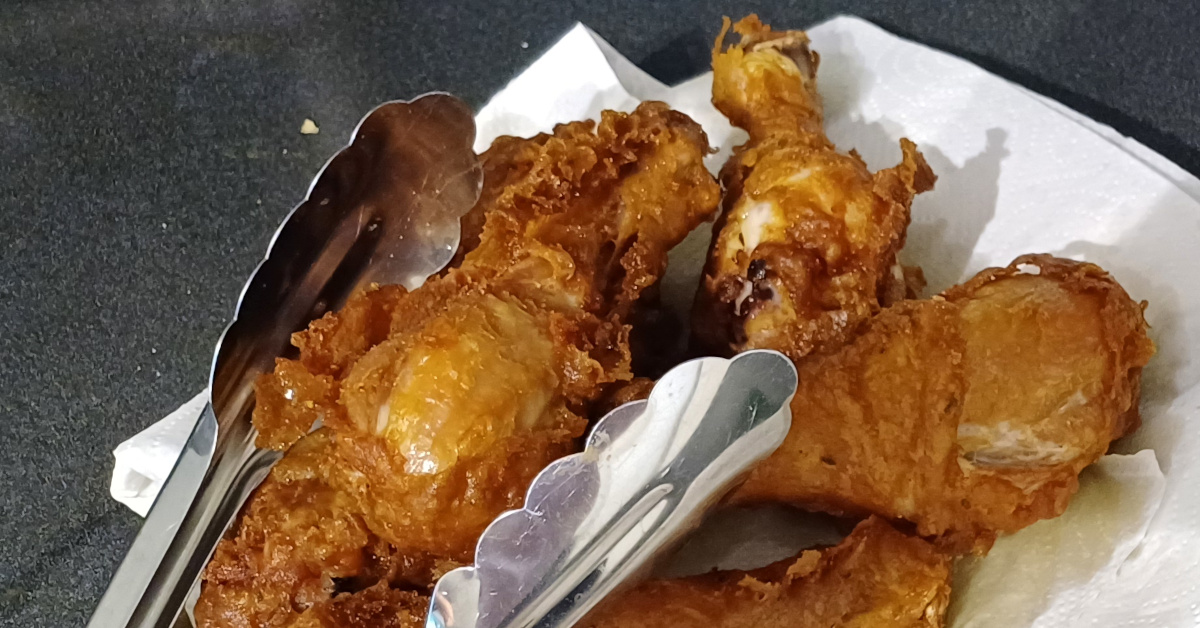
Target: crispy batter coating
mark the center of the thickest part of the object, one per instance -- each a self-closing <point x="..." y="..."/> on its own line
<point x="876" y="577"/>
<point x="969" y="414"/>
<point x="805" y="249"/>
<point x="300" y="541"/>
<point x="442" y="403"/>
<point x="296" y="536"/>
<point x="376" y="607"/>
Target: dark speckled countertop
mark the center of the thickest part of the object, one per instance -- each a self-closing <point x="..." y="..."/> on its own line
<point x="149" y="149"/>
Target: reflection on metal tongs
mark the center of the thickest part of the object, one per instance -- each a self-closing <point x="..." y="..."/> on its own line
<point x="596" y="520"/>
<point x="385" y="209"/>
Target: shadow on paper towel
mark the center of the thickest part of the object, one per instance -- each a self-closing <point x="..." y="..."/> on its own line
<point x="752" y="537"/>
<point x="948" y="221"/>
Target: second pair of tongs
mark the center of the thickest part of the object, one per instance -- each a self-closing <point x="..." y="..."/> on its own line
<point x="598" y="520"/>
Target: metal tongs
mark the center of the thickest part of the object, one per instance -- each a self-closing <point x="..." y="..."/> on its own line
<point x="597" y="520"/>
<point x="384" y="209"/>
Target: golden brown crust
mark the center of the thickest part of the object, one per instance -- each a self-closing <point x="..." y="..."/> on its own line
<point x="502" y="165"/>
<point x="970" y="414"/>
<point x="876" y="577"/>
<point x="805" y="249"/>
<point x="766" y="83"/>
<point x="333" y="342"/>
<point x="294" y="538"/>
<point x="1123" y="331"/>
<point x="498" y="369"/>
<point x="289" y="401"/>
<point x="635" y="184"/>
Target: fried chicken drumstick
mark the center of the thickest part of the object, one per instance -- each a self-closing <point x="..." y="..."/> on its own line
<point x="805" y="249"/>
<point x="440" y="405"/>
<point x="876" y="577"/>
<point x="969" y="414"/>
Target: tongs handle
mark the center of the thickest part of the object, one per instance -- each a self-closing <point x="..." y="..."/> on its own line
<point x="192" y="511"/>
<point x="596" y="520"/>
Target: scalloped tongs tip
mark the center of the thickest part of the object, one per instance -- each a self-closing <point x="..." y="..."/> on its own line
<point x="597" y="520"/>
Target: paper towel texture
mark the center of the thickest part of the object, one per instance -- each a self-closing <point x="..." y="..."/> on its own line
<point x="1017" y="174"/>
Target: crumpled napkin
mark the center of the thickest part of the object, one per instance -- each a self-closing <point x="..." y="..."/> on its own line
<point x="1017" y="173"/>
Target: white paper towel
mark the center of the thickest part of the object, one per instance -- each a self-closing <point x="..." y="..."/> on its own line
<point x="144" y="461"/>
<point x="1055" y="572"/>
<point x="1018" y="173"/>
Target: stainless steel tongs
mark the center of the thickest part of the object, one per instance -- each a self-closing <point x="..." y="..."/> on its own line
<point x="596" y="520"/>
<point x="385" y="209"/>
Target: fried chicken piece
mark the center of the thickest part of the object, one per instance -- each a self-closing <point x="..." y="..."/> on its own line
<point x="970" y="414"/>
<point x="290" y="399"/>
<point x="441" y="404"/>
<point x="805" y="249"/>
<point x="580" y="219"/>
<point x="447" y="426"/>
<point x="488" y="372"/>
<point x="876" y="577"/>
<point x="300" y="541"/>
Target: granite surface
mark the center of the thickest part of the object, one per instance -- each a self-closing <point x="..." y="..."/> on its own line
<point x="149" y="149"/>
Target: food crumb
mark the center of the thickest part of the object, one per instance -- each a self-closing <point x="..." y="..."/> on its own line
<point x="524" y="44"/>
<point x="309" y="127"/>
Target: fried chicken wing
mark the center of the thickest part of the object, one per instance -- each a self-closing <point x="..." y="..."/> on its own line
<point x="805" y="249"/>
<point x="876" y="577"/>
<point x="441" y="404"/>
<point x="969" y="414"/>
